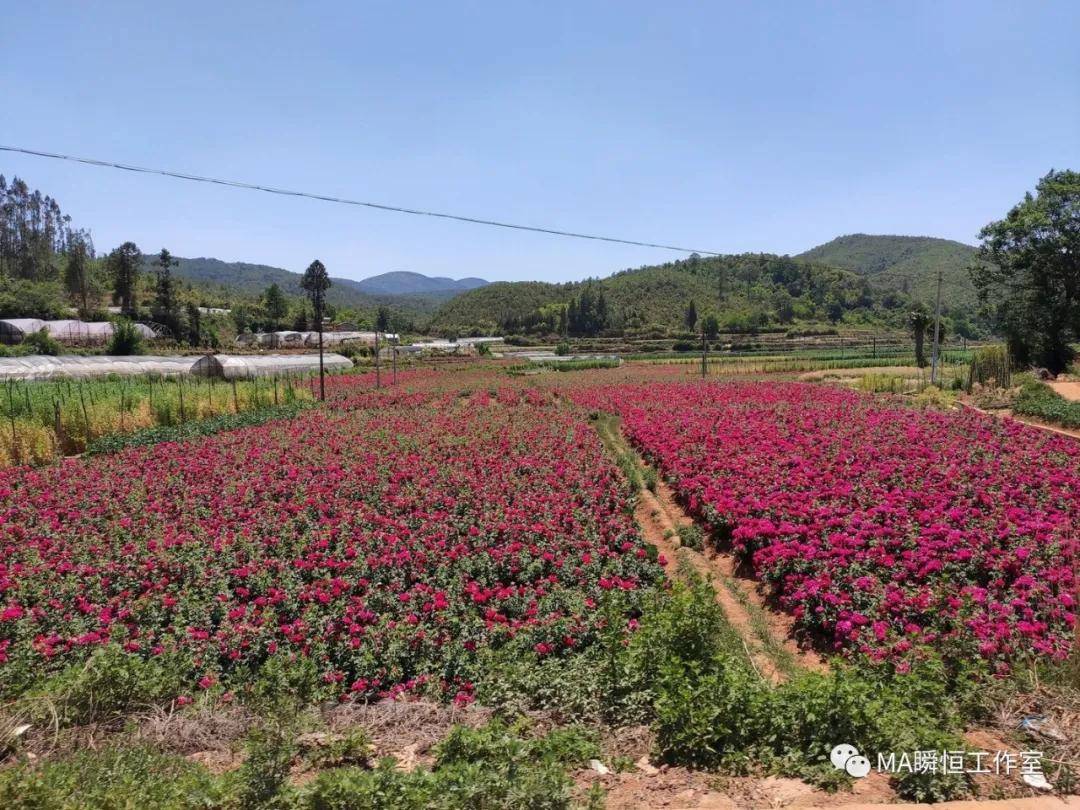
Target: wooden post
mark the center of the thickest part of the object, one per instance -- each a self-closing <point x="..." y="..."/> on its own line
<point x="86" y="416"/>
<point x="180" y="384"/>
<point x="322" y="373"/>
<point x="937" y="332"/>
<point x="704" y="349"/>
<point x="11" y="415"/>
<point x="58" y="428"/>
<point x="235" y="399"/>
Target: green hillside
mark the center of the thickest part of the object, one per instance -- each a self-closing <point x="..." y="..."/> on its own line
<point x="746" y="292"/>
<point x="226" y="281"/>
<point x="907" y="264"/>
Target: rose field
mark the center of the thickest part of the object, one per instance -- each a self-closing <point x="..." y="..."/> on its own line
<point x="455" y="590"/>
<point x="882" y="528"/>
<point x="387" y="543"/>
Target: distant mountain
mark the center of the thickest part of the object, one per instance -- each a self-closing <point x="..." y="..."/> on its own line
<point x="411" y="294"/>
<point x="907" y="264"/>
<point x="403" y="282"/>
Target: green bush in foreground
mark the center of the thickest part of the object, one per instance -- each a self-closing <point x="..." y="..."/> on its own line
<point x="678" y="666"/>
<point x="494" y="766"/>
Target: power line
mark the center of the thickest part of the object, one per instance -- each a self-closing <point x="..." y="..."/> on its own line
<point x="345" y="201"/>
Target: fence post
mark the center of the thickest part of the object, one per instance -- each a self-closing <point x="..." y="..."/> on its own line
<point x="86" y="416"/>
<point x="180" y="383"/>
<point x="11" y="415"/>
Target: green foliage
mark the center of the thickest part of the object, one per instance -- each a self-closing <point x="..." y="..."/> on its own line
<point x="261" y="779"/>
<point x="127" y="777"/>
<point x="562" y="349"/>
<point x="352" y="748"/>
<point x="990" y="365"/>
<point x="691" y="536"/>
<point x="41" y="342"/>
<point x="102" y="689"/>
<point x="125" y="339"/>
<point x="1028" y="273"/>
<point x="189" y="430"/>
<point x="123" y="267"/>
<point x="492" y="766"/>
<point x="904" y="264"/>
<point x="771" y="289"/>
<point x="1042" y="402"/>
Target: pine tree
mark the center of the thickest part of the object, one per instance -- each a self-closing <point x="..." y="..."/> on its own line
<point x="123" y="264"/>
<point x="166" y="309"/>
<point x="690" y="319"/>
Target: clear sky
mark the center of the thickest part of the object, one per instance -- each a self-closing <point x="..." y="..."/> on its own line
<point x="764" y="126"/>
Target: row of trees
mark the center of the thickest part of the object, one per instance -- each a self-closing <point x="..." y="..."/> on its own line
<point x="34" y="232"/>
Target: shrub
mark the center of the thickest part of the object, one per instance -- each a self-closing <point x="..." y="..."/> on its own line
<point x="990" y="365"/>
<point x="125" y="339"/>
<point x="111" y="778"/>
<point x="562" y="349"/>
<point x="691" y="537"/>
<point x="41" y="342"/>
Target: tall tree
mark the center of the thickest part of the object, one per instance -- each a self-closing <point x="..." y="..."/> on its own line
<point x="77" y="272"/>
<point x="276" y="305"/>
<point x="1028" y="272"/>
<point x="166" y="308"/>
<point x="382" y="319"/>
<point x="315" y="283"/>
<point x="690" y="318"/>
<point x="710" y="328"/>
<point x="919" y="321"/>
<point x="123" y="264"/>
<point x="194" y="324"/>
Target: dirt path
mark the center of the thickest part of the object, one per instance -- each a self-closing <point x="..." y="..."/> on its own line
<point x="1005" y="413"/>
<point x="767" y="635"/>
<point x="1070" y="389"/>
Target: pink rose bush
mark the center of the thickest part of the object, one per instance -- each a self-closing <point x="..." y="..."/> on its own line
<point x="388" y="536"/>
<point x="882" y="528"/>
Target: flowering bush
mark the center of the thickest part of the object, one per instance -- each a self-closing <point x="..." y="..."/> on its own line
<point x="881" y="528"/>
<point x="386" y="537"/>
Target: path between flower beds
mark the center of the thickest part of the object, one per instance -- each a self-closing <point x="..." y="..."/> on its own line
<point x="766" y="633"/>
<point x="1005" y="413"/>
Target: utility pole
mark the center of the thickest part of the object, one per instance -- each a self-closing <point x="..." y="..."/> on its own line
<point x="322" y="372"/>
<point x="378" y="377"/>
<point x="937" y="332"/>
<point x="704" y="349"/>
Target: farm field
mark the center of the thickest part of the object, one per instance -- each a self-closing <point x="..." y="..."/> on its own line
<point x="243" y="611"/>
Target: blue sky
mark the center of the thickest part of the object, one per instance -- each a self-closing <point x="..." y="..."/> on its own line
<point x="730" y="127"/>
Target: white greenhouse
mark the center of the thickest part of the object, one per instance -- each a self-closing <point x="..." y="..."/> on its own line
<point x="242" y="366"/>
<point x="15" y="330"/>
<point x="41" y="367"/>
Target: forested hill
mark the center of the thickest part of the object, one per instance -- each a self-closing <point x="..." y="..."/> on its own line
<point x="746" y="291"/>
<point x="412" y="296"/>
<point x="907" y="264"/>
